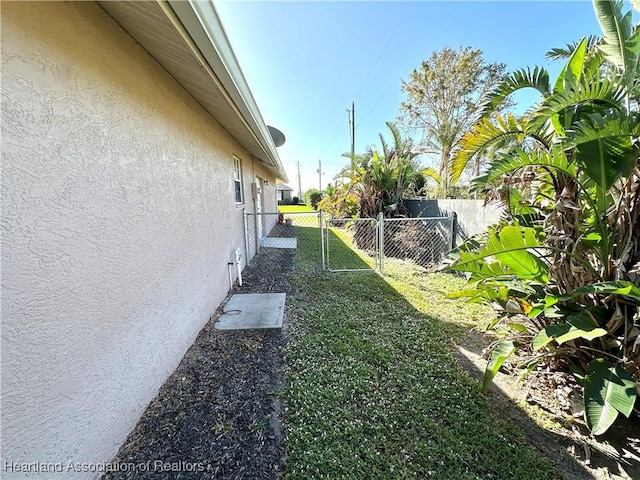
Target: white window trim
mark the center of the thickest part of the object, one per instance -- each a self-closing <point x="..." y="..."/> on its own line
<point x="237" y="179"/>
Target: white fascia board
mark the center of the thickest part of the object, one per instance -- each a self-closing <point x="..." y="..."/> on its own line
<point x="201" y="22"/>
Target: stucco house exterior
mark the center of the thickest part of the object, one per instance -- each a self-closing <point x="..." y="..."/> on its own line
<point x="131" y="146"/>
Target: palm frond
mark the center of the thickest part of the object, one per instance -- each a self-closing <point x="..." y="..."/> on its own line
<point x="484" y="135"/>
<point x="537" y="79"/>
<point x="398" y="141"/>
<point x="432" y="173"/>
<point x="602" y="92"/>
<point x="508" y="164"/>
<point x="614" y="124"/>
<point x="567" y="51"/>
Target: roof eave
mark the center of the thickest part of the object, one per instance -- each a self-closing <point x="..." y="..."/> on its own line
<point x="187" y="39"/>
<point x="201" y="22"/>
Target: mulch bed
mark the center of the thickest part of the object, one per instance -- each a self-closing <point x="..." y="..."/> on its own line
<point x="218" y="415"/>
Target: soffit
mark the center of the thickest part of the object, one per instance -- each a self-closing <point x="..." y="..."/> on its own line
<point x="188" y="53"/>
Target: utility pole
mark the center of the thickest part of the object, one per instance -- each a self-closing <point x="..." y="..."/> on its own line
<point x="299" y="181"/>
<point x="352" y="132"/>
<point x="320" y="175"/>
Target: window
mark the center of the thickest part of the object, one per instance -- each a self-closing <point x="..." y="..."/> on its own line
<point x="237" y="179"/>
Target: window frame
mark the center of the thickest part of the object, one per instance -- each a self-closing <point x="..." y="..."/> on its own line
<point x="237" y="181"/>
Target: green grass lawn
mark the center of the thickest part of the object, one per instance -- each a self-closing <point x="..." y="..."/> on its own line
<point x="372" y="390"/>
<point x="294" y="208"/>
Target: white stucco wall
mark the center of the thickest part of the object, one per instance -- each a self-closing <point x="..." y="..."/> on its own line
<point x="118" y="220"/>
<point x="473" y="217"/>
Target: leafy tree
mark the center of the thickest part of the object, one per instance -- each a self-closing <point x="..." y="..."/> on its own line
<point x="442" y="99"/>
<point x="566" y="262"/>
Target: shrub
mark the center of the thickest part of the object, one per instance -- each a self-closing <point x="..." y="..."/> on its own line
<point x="343" y="203"/>
<point x="312" y="197"/>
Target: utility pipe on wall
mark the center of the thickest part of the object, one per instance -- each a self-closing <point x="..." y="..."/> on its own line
<point x="229" y="265"/>
<point x="238" y="265"/>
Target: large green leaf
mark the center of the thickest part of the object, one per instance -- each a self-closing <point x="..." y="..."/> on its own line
<point x="608" y="390"/>
<point x="620" y="41"/>
<point x="569" y="79"/>
<point x="581" y="326"/>
<point x="500" y="353"/>
<point x="610" y="288"/>
<point x="572" y="71"/>
<point x="577" y="326"/>
<point x="506" y="253"/>
<point x="546" y="335"/>
<point x="604" y="162"/>
<point x="604" y="147"/>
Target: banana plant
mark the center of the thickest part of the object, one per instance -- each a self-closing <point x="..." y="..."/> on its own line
<point x="567" y="258"/>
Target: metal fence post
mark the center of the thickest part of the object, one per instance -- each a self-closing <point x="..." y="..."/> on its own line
<point x="451" y="231"/>
<point x="321" y="238"/>
<point x="377" y="245"/>
<point x="246" y="234"/>
<point x="381" y="241"/>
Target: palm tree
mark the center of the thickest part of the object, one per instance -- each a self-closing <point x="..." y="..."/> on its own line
<point x="383" y="176"/>
<point x="570" y="175"/>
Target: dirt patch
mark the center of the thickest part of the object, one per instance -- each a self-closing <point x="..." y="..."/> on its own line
<point x="534" y="405"/>
<point x="218" y="415"/>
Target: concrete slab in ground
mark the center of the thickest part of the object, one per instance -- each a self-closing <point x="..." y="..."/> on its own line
<point x="278" y="242"/>
<point x="252" y="310"/>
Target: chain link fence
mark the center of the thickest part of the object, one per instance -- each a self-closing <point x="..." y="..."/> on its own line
<point x="278" y="230"/>
<point x="354" y="244"/>
<point x="365" y="243"/>
<point x="424" y="241"/>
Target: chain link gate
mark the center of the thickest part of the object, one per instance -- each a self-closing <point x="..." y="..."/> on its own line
<point x="350" y="243"/>
<point x="354" y="244"/>
<point x="279" y="230"/>
<point x="363" y="244"/>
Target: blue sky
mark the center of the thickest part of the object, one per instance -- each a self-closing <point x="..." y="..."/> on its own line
<point x="305" y="62"/>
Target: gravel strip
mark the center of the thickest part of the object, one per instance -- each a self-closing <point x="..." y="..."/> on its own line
<point x="217" y="416"/>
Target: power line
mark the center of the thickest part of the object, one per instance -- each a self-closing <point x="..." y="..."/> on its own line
<point x="333" y="137"/>
<point x="376" y="104"/>
<point x="375" y="64"/>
